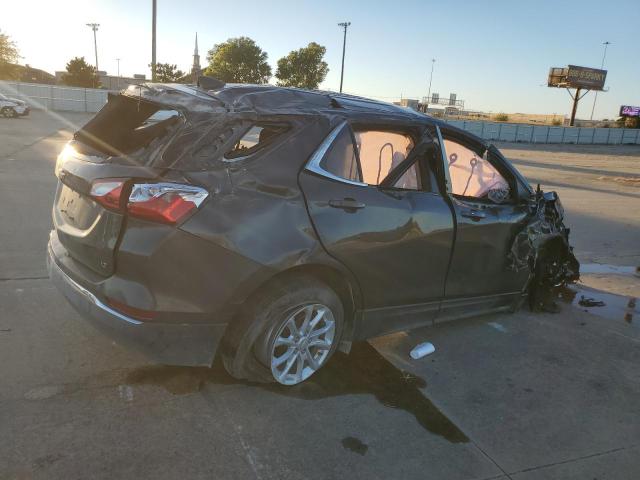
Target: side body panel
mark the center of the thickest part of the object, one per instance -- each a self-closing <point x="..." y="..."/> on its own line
<point x="397" y="244"/>
<point x="257" y="211"/>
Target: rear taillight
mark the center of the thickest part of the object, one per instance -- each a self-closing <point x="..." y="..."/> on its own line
<point x="158" y="202"/>
<point x="164" y="202"/>
<point x="107" y="193"/>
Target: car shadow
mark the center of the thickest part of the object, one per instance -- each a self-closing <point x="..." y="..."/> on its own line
<point x="364" y="371"/>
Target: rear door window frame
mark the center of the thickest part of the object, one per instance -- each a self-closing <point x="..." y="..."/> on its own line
<point x="314" y="163"/>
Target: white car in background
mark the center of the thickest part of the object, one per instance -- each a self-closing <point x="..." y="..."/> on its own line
<point x="12" y="107"/>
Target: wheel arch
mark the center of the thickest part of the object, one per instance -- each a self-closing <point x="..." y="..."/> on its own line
<point x="237" y="341"/>
<point x="335" y="277"/>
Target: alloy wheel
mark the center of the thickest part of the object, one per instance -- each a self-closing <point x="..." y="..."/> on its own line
<point x="302" y="344"/>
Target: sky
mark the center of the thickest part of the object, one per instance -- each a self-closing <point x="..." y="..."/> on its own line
<point x="494" y="54"/>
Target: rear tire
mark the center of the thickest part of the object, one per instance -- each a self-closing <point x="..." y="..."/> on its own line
<point x="288" y="332"/>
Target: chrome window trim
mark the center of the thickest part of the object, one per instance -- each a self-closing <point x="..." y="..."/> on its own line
<point x="313" y="164"/>
<point x="445" y="161"/>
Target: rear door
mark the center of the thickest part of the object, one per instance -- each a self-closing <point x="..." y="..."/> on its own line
<point x="395" y="236"/>
<point x="484" y="195"/>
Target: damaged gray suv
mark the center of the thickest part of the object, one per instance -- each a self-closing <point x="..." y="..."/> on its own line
<point x="272" y="226"/>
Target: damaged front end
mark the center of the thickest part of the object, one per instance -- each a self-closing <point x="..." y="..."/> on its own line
<point x="542" y="246"/>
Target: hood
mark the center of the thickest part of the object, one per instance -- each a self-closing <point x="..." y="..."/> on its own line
<point x="15" y="100"/>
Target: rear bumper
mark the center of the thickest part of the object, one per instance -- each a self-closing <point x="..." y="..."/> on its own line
<point x="170" y="344"/>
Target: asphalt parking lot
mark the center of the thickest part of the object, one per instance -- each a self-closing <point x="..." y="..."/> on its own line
<point x="522" y="396"/>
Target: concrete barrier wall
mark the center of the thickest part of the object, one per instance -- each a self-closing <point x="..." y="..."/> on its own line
<point x="54" y="97"/>
<point x="515" y="132"/>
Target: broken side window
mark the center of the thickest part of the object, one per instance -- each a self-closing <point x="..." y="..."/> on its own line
<point x="340" y="160"/>
<point x="382" y="151"/>
<point x="257" y="137"/>
<point x="474" y="176"/>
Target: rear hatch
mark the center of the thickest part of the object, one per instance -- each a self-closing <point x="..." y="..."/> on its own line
<point x="115" y="167"/>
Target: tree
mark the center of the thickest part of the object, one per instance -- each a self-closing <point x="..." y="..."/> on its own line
<point x="8" y="57"/>
<point x="303" y="68"/>
<point x="238" y="60"/>
<point x="168" y="73"/>
<point x="80" y="74"/>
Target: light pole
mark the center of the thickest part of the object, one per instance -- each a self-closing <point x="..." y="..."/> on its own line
<point x="426" y="107"/>
<point x="118" y="60"/>
<point x="94" y="27"/>
<point x="153" y="40"/>
<point x="595" y="97"/>
<point x="344" y="25"/>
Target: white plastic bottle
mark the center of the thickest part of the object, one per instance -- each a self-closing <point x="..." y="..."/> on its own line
<point x="422" y="350"/>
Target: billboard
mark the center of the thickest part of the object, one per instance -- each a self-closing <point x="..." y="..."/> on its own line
<point x="629" y="111"/>
<point x="584" y="77"/>
<point x="557" y="77"/>
<point x="574" y="76"/>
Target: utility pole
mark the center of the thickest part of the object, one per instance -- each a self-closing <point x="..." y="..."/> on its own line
<point x="344" y="25"/>
<point x="153" y="40"/>
<point x="94" y="27"/>
<point x="575" y="107"/>
<point x="595" y="97"/>
<point x="118" y="60"/>
<point x="433" y="62"/>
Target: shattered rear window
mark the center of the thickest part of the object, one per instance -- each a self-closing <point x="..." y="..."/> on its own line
<point x="126" y="125"/>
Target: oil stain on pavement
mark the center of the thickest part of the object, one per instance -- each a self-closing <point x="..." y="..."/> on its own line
<point x="355" y="445"/>
<point x="363" y="371"/>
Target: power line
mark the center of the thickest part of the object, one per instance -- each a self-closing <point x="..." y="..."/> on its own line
<point x="433" y="62"/>
<point x="595" y="97"/>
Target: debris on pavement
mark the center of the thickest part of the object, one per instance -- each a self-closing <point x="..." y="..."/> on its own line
<point x="590" y="302"/>
<point x="422" y="350"/>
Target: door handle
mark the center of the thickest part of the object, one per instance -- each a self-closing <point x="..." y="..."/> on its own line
<point x="346" y="204"/>
<point x="473" y="214"/>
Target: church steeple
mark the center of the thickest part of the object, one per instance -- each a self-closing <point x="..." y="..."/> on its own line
<point x="196" y="70"/>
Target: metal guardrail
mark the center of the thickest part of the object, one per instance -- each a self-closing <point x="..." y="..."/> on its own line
<point x="515" y="132"/>
<point x="54" y="97"/>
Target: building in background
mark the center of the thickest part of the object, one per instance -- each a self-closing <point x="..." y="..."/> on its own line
<point x="196" y="69"/>
<point x="29" y="74"/>
<point x="408" y="103"/>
